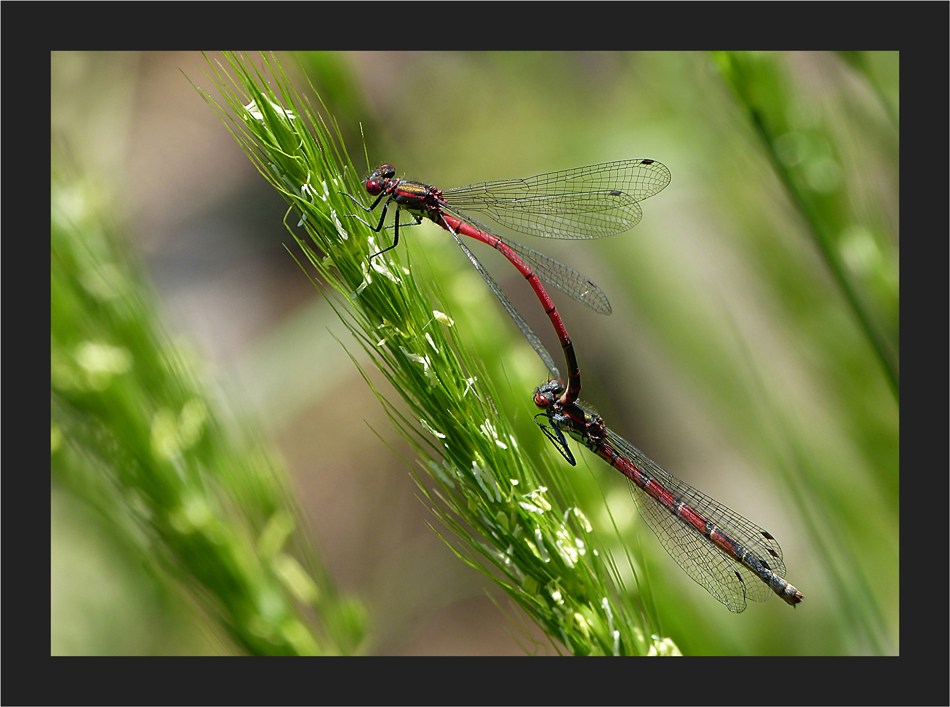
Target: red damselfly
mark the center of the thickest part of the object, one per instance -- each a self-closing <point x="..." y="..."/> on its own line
<point x="586" y="202"/>
<point x="733" y="558"/>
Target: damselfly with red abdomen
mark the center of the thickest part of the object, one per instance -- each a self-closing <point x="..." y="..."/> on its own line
<point x="733" y="558"/>
<point x="582" y="203"/>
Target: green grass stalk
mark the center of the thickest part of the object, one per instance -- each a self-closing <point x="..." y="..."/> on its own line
<point x="504" y="521"/>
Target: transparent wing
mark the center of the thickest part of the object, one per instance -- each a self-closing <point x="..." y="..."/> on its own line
<point x="586" y="202"/>
<point x="728" y="580"/>
<point x="567" y="280"/>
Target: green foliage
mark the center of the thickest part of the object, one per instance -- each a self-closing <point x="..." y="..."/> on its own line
<point x="822" y="144"/>
<point x="136" y="433"/>
<point x="809" y="156"/>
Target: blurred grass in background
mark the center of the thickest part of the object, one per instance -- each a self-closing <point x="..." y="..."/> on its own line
<point x="165" y="471"/>
<point x="753" y="348"/>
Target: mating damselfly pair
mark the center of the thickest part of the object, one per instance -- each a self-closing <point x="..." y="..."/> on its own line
<point x="731" y="557"/>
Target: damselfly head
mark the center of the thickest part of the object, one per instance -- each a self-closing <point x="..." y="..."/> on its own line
<point x="379" y="179"/>
<point x="548" y="393"/>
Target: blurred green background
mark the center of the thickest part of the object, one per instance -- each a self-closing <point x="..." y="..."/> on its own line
<point x="752" y="350"/>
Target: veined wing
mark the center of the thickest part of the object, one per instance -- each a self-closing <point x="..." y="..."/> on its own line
<point x="585" y="202"/>
<point x="727" y="579"/>
<point x="572" y="283"/>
